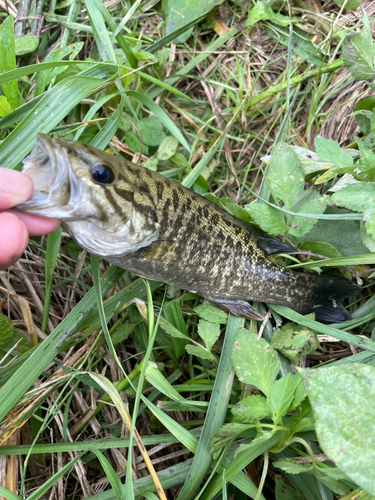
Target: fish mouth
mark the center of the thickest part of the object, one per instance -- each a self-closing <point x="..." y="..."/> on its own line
<point x="56" y="187"/>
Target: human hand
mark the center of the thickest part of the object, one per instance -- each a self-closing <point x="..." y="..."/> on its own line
<point x="16" y="227"/>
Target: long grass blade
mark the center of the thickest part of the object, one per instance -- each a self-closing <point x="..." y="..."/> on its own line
<point x="41" y="357"/>
<point x="216" y="412"/>
<point x="48" y="113"/>
<point x="52" y="251"/>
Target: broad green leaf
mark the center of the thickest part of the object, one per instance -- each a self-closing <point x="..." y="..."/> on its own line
<point x="209" y="332"/>
<point x="280" y="397"/>
<point x="151" y="130"/>
<point x="5" y="107"/>
<point x="157" y="379"/>
<point x="329" y="150"/>
<point x="284" y="490"/>
<point x="294" y="341"/>
<point x="357" y="197"/>
<point x="225" y="435"/>
<point x="367" y="239"/>
<point x="363" y="112"/>
<point x="302" y="225"/>
<point x="48" y="113"/>
<point x="308" y="160"/>
<point x="251" y="408"/>
<point x="359" y="52"/>
<point x="343" y="235"/>
<point x="161" y="115"/>
<point x="211" y="313"/>
<point x="133" y="141"/>
<point x="369" y="219"/>
<point x="342" y="398"/>
<point x="180" y="161"/>
<point x="167" y="148"/>
<point x="8" y="60"/>
<point x="172" y="330"/>
<point x="229" y="205"/>
<point x="320" y="248"/>
<point x="262" y="11"/>
<point x="26" y="44"/>
<point x="201" y="352"/>
<point x="259" y="438"/>
<point x="255" y="361"/>
<point x="367" y="161"/>
<point x="268" y="218"/>
<point x="151" y="163"/>
<point x="177" y="14"/>
<point x="299" y="41"/>
<point x="286" y="180"/>
<point x="291" y="467"/>
<point x="12" y="342"/>
<point x="349" y="4"/>
<point x="299" y="392"/>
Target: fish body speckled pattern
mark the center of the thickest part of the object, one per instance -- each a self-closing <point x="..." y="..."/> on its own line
<point x="158" y="229"/>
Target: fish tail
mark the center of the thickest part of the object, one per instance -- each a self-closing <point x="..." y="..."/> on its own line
<point x="324" y="293"/>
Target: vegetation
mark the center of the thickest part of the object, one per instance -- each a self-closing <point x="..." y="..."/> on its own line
<point x="114" y="387"/>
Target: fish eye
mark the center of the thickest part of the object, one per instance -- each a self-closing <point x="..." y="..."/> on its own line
<point x="102" y="174"/>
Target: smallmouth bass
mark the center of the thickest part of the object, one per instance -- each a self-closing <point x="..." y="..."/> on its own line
<point x="154" y="227"/>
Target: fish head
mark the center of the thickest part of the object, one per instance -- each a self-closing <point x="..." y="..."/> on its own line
<point x="80" y="185"/>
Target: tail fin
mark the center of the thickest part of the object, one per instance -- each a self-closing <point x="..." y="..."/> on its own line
<point x="327" y="294"/>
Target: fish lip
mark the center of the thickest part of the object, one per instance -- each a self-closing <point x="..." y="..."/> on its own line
<point x="56" y="187"/>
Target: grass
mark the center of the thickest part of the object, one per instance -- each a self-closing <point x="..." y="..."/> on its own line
<point x="114" y="387"/>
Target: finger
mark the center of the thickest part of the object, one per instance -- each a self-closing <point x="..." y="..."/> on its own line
<point x="36" y="225"/>
<point x="14" y="188"/>
<point x="13" y="239"/>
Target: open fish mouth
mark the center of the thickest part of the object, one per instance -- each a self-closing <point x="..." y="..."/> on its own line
<point x="57" y="189"/>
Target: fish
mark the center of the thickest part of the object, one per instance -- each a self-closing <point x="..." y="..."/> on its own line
<point x="156" y="228"/>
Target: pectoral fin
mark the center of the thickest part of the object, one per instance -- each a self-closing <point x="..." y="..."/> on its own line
<point x="160" y="250"/>
<point x="238" y="308"/>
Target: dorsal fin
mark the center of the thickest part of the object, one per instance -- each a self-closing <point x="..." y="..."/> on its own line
<point x="266" y="242"/>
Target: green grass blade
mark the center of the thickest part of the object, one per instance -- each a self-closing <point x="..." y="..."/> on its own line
<point x="43" y="355"/>
<point x="215" y="45"/>
<point x="161" y="84"/>
<point x="39" y="492"/>
<point x="52" y="251"/>
<point x="367" y="344"/>
<point x="48" y="113"/>
<point x="92" y="112"/>
<point x="203" y="162"/>
<point x="102" y="139"/>
<point x="172" y="36"/>
<point x="34" y="68"/>
<point x="8" y="494"/>
<point x="111" y="474"/>
<point x="354" y="260"/>
<point x="162" y="115"/>
<point x="239" y="463"/>
<point x="116" y="31"/>
<point x="102" y="40"/>
<point x="216" y="412"/>
<point x="19" y="113"/>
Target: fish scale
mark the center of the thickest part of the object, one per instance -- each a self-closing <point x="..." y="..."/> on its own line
<point x="156" y="228"/>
